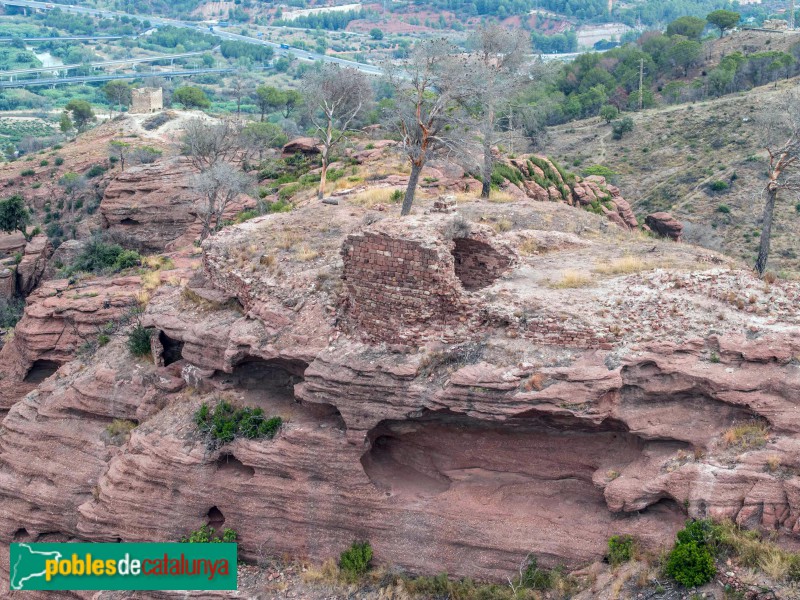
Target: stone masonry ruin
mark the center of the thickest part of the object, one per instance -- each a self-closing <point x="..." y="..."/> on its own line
<point x="404" y="277"/>
<point x="146" y="100"/>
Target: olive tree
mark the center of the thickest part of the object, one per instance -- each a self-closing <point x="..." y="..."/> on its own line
<point x="781" y="130"/>
<point x="335" y="97"/>
<point x="428" y="90"/>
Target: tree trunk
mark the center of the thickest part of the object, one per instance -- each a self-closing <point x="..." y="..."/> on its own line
<point x="766" y="228"/>
<point x="323" y="176"/>
<point x="488" y="163"/>
<point x="411" y="188"/>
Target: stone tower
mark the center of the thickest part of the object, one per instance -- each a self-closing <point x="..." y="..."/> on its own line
<point x="146" y="100"/>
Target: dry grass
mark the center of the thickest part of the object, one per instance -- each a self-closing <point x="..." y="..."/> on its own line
<point x="120" y="427"/>
<point x="756" y="553"/>
<point x="773" y="463"/>
<point x="142" y="298"/>
<point x="625" y="265"/>
<point x="503" y="224"/>
<point x="746" y="436"/>
<point x="373" y="196"/>
<point x="305" y="253"/>
<point x="151" y="280"/>
<point x="287" y="240"/>
<point x="529" y="247"/>
<point x="158" y="263"/>
<point x="572" y="279"/>
<point x="500" y="197"/>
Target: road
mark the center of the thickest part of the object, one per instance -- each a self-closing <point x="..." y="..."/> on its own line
<point x="107" y="63"/>
<point x="88" y="78"/>
<point x="225" y="35"/>
<point x="83" y="38"/>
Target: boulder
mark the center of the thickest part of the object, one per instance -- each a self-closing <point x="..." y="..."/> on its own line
<point x="664" y="224"/>
<point x="303" y="145"/>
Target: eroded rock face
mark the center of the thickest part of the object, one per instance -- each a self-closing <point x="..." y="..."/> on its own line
<point x="58" y="319"/>
<point x="151" y="205"/>
<point x="460" y="455"/>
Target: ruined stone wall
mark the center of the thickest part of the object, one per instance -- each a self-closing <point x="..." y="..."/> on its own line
<point x="477" y="264"/>
<point x="397" y="285"/>
<point x="146" y="100"/>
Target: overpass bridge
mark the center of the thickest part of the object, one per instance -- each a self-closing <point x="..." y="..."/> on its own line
<point x="54" y="81"/>
<point x="99" y="65"/>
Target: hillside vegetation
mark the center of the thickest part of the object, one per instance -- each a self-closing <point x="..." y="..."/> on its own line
<point x="701" y="161"/>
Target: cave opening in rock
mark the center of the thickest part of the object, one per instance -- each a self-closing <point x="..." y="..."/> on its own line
<point x="173" y="349"/>
<point x="215" y="518"/>
<point x="277" y="376"/>
<point x="477" y="264"/>
<point x="129" y="221"/>
<point x="229" y="464"/>
<point x="41" y="370"/>
<point x="21" y="534"/>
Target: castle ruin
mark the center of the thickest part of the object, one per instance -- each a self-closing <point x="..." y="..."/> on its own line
<point x="146" y="100"/>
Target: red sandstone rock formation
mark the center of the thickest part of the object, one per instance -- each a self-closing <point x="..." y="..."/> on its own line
<point x="531" y="419"/>
<point x="665" y="225"/>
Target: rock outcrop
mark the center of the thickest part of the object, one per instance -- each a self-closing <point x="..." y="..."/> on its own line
<point x="664" y="224"/>
<point x="59" y="318"/>
<point x="150" y="205"/>
<point x="533" y="417"/>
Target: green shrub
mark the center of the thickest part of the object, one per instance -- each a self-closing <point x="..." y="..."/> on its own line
<point x="96" y="257"/>
<point x="620" y="549"/>
<point x="286" y="192"/>
<point x="28" y="172"/>
<point x="503" y="172"/>
<point x="718" y="186"/>
<point x="279" y="206"/>
<point x="127" y="259"/>
<point x="724" y="209"/>
<point x="103" y="339"/>
<point x="95" y="170"/>
<point x="600" y="170"/>
<point x="621" y="127"/>
<point x="245" y="215"/>
<point x="691" y="564"/>
<point x="139" y="340"/>
<point x="398" y="195"/>
<point x="10" y="312"/>
<point x="536" y="578"/>
<point x="226" y="422"/>
<point x="354" y="561"/>
<point x="58" y="161"/>
<point x="797" y="207"/>
<point x="205" y="535"/>
<point x="43" y="163"/>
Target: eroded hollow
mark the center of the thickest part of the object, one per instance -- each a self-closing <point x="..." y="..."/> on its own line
<point x="227" y="463"/>
<point x="552" y="460"/>
<point x="215" y="518"/>
<point x="477" y="264"/>
<point x="277" y="376"/>
<point x="128" y="221"/>
<point x="41" y="370"/>
<point x="173" y="349"/>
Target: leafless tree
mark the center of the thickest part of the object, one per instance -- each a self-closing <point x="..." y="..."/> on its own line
<point x="496" y="76"/>
<point x="428" y="90"/>
<point x="781" y="127"/>
<point x="334" y="98"/>
<point x="218" y="186"/>
<point x="207" y="142"/>
<point x="238" y="90"/>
